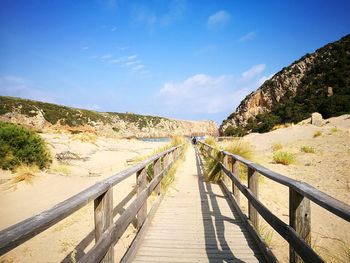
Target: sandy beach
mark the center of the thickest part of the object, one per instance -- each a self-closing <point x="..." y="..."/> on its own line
<point x="327" y="169"/>
<point x="88" y="162"/>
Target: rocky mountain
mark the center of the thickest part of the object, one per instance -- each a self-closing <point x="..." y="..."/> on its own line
<point x="47" y="116"/>
<point x="317" y="82"/>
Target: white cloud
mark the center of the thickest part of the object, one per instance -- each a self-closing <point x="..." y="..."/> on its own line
<point x="132" y="57"/>
<point x="199" y="93"/>
<point x="144" y="15"/>
<point x="205" y="94"/>
<point x="219" y="19"/>
<point x="138" y="67"/>
<point x="106" y="56"/>
<point x="176" y="10"/>
<point x="133" y="62"/>
<point x="117" y="60"/>
<point x="253" y="72"/>
<point x="264" y="78"/>
<point x="247" y="36"/>
<point x="85" y="48"/>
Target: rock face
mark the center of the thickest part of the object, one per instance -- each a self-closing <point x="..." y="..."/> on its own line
<point x="316" y="119"/>
<point x="310" y="79"/>
<point x="40" y="115"/>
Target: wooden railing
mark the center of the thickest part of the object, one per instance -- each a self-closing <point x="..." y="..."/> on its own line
<point x="297" y="233"/>
<point x="107" y="233"/>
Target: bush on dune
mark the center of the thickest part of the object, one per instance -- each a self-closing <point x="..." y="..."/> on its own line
<point x="20" y="146"/>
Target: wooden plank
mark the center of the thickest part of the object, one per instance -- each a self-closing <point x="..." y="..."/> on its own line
<point x="322" y="199"/>
<point x="226" y="179"/>
<point x="17" y="234"/>
<point x="235" y="172"/>
<point x="288" y="233"/>
<point x="103" y="218"/>
<point x="264" y="248"/>
<point x="116" y="230"/>
<point x="299" y="220"/>
<point x="253" y="185"/>
<point x="141" y="183"/>
<point x="136" y="243"/>
<point x="157" y="170"/>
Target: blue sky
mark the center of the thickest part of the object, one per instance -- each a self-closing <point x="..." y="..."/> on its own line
<point x="178" y="58"/>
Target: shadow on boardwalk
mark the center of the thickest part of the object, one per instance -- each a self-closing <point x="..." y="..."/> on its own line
<point x="217" y="247"/>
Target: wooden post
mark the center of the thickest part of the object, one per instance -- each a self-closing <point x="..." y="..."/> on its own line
<point x="141" y="182"/>
<point x="253" y="178"/>
<point x="235" y="171"/>
<point x="103" y="215"/>
<point x="157" y="169"/>
<point x="299" y="220"/>
<point x="225" y="178"/>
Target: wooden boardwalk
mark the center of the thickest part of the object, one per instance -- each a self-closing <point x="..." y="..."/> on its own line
<point x="196" y="223"/>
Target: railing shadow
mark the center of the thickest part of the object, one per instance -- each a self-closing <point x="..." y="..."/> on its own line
<point x="217" y="247"/>
<point x="119" y="209"/>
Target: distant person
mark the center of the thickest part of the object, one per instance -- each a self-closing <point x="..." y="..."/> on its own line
<point x="194" y="140"/>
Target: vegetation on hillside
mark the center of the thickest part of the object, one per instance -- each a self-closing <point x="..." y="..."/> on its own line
<point x="71" y="116"/>
<point x="330" y="69"/>
<point x="20" y="146"/>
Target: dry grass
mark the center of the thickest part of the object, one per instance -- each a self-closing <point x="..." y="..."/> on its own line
<point x="7" y="259"/>
<point x="25" y="173"/>
<point x="317" y="134"/>
<point x="284" y="125"/>
<point x="335" y="129"/>
<point x="177" y="140"/>
<point x="284" y="158"/>
<point x="241" y="148"/>
<point x="266" y="233"/>
<point x="211" y="141"/>
<point x="339" y="254"/>
<point x="276" y="147"/>
<point x="307" y="149"/>
<point x="59" y="168"/>
<point x="85" y="137"/>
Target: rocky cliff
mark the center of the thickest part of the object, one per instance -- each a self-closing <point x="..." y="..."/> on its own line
<point x="47" y="116"/>
<point x="317" y="82"/>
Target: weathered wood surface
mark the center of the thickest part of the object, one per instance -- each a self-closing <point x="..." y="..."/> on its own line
<point x="141" y="184"/>
<point x="17" y="234"/>
<point x="287" y="232"/>
<point x="196" y="223"/>
<point x="253" y="185"/>
<point x="103" y="217"/>
<point x="322" y="199"/>
<point x="299" y="220"/>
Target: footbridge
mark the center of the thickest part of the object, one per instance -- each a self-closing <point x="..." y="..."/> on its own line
<point x="197" y="221"/>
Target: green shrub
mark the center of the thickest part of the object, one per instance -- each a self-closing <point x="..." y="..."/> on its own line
<point x="285" y="158"/>
<point x="307" y="149"/>
<point x="19" y="145"/>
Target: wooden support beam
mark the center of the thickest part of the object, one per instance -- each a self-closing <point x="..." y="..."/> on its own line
<point x="226" y="179"/>
<point x="253" y="180"/>
<point x="141" y="183"/>
<point x="157" y="169"/>
<point x="299" y="220"/>
<point x="103" y="215"/>
<point x="235" y="171"/>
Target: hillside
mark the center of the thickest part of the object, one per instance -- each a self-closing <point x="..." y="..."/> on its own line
<point x="317" y="82"/>
<point x="41" y="115"/>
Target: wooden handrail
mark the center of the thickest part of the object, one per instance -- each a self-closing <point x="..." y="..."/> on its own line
<point x="17" y="234"/>
<point x="297" y="232"/>
<point x="331" y="204"/>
